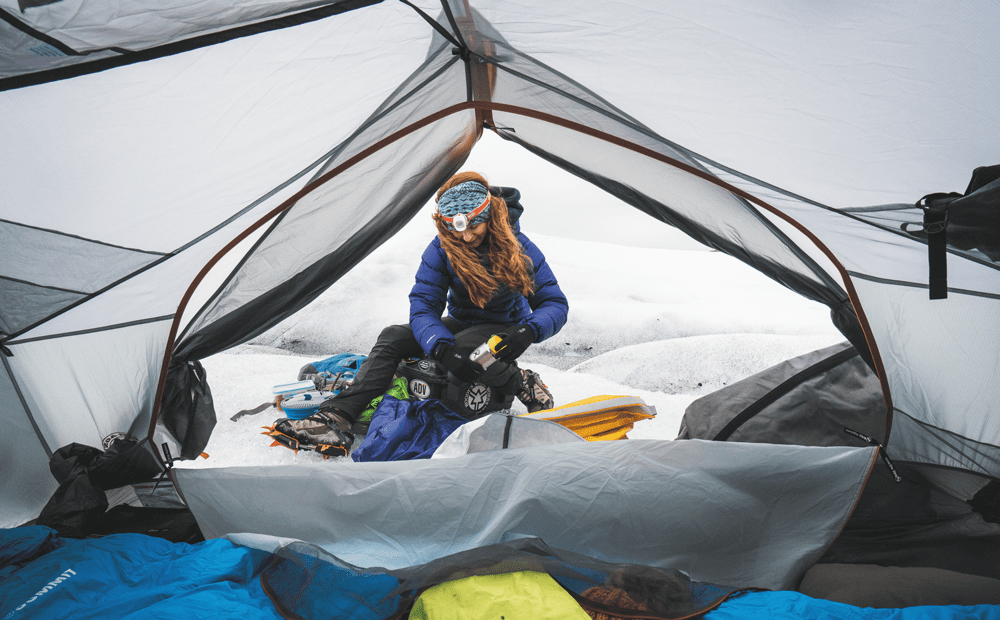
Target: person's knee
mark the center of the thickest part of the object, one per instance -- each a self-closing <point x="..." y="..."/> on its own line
<point x="395" y="333"/>
<point x="396" y="341"/>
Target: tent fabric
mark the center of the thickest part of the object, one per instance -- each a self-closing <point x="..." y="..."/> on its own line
<point x="925" y="518"/>
<point x="66" y="40"/>
<point x="808" y="400"/>
<point x="165" y="162"/>
<point x="118" y="336"/>
<point x="675" y="504"/>
<point x="923" y="521"/>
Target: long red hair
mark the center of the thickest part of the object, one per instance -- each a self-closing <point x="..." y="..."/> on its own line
<point x="509" y="264"/>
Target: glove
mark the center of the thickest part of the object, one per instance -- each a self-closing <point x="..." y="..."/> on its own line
<point x="456" y="360"/>
<point x="516" y="343"/>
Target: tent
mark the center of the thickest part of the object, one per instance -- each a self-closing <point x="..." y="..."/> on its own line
<point x="179" y="179"/>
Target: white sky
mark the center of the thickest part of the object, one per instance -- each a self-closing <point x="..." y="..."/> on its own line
<point x="652" y="314"/>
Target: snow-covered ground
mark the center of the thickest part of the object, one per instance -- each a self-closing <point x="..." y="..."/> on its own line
<point x="667" y="325"/>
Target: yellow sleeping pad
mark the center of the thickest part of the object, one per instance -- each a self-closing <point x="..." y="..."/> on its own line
<point x="599" y="418"/>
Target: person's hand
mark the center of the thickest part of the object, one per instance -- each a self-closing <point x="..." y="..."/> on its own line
<point x="456" y="360"/>
<point x="516" y="343"/>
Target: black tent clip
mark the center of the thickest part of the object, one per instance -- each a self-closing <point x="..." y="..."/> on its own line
<point x="935" y="209"/>
<point x="881" y="452"/>
<point x="496" y="128"/>
<point x="3" y="346"/>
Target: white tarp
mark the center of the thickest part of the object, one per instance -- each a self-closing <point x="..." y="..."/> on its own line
<point x="730" y="513"/>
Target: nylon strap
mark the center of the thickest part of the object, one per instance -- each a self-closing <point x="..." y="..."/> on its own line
<point x="936" y="226"/>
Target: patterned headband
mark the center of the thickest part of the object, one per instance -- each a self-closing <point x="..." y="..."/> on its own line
<point x="466" y="204"/>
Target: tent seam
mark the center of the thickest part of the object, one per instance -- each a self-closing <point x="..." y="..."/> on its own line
<point x="960" y="291"/>
<point x="925" y="425"/>
<point x="94" y="330"/>
<point x="176" y="47"/>
<point x="27" y="409"/>
<point x="81" y="238"/>
<point x="39" y="35"/>
<point x="434" y="24"/>
<point x="45" y="286"/>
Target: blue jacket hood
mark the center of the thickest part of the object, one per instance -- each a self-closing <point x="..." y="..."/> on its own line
<point x="513" y="199"/>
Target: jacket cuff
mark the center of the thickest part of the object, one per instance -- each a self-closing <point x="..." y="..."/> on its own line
<point x="436" y="349"/>
<point x="534" y="330"/>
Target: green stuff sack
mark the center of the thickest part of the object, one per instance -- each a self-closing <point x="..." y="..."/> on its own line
<point x="396" y="390"/>
<point x="526" y="595"/>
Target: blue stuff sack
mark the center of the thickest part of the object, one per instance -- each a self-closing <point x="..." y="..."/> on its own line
<point x="347" y="363"/>
<point x="402" y="430"/>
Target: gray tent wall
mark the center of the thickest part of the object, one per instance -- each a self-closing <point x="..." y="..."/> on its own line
<point x="931" y="516"/>
<point x="253" y="155"/>
<point x="88" y="341"/>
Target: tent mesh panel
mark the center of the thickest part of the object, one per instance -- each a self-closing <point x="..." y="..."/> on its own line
<point x="306" y="581"/>
<point x="704" y="210"/>
<point x="341" y="222"/>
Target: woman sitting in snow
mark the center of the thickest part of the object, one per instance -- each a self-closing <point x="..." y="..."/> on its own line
<point x="494" y="280"/>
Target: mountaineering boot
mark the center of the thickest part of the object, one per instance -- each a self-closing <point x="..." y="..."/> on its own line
<point x="338" y="425"/>
<point x="318" y="433"/>
<point x="534" y="393"/>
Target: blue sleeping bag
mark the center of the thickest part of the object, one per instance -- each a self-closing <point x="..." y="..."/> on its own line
<point x="786" y="605"/>
<point x="128" y="577"/>
<point x="138" y="577"/>
<point x="401" y="430"/>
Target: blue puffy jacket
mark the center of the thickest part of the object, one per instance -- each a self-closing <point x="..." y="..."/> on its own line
<point x="436" y="283"/>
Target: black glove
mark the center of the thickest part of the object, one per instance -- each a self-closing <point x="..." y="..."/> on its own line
<point x="456" y="360"/>
<point x="516" y="343"/>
